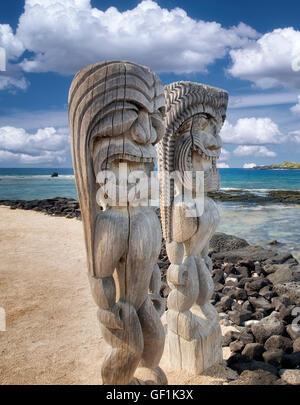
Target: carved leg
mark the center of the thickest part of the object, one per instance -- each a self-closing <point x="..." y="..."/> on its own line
<point x="194" y="335"/>
<point x="127" y="347"/>
<point x="154" y="338"/>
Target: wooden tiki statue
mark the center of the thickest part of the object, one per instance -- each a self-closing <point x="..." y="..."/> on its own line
<point x="116" y="117"/>
<point x="194" y="116"/>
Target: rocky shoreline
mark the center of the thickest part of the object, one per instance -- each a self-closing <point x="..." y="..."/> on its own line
<point x="257" y="295"/>
<point x="271" y="196"/>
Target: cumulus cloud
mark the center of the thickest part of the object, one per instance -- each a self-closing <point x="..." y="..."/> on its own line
<point x="224" y="155"/>
<point x="223" y="165"/>
<point x="294" y="136"/>
<point x="296" y="108"/>
<point x="249" y="165"/>
<point x="65" y="35"/>
<point x="252" y="131"/>
<point x="272" y="60"/>
<point x="254" y="150"/>
<point x="11" y="49"/>
<point x="46" y="146"/>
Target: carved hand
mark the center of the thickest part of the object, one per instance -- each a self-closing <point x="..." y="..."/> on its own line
<point x="184" y="226"/>
<point x="111" y="318"/>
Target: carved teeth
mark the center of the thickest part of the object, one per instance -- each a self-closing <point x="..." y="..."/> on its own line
<point x="126" y="157"/>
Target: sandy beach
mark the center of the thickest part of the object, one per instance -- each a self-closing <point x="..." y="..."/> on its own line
<point x="52" y="335"/>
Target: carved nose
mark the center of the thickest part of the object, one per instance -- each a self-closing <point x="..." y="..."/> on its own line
<point x="142" y="130"/>
<point x="216" y="144"/>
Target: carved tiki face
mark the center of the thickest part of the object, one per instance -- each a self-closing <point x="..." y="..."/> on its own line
<point x="121" y="107"/>
<point x="130" y="120"/>
<point x="194" y="116"/>
<point x="202" y="130"/>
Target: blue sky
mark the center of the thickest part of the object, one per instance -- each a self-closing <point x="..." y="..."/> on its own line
<point x="251" y="49"/>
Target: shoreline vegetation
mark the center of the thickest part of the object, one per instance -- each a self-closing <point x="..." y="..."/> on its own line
<point x="256" y="291"/>
<point x="285" y="166"/>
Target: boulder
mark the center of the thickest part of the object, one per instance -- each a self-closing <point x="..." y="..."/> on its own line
<point x="240" y="294"/>
<point x="240" y="363"/>
<point x="258" y="316"/>
<point x="256" y="377"/>
<point x="267" y="292"/>
<point x="236" y="346"/>
<point x="286" y="313"/>
<point x="247" y="306"/>
<point x="296" y="345"/>
<point x="218" y="287"/>
<point x="243" y="271"/>
<point x="218" y="276"/>
<point x="289" y="289"/>
<point x="226" y="302"/>
<point x="228" y="268"/>
<point x="291" y="377"/>
<point x="261" y="303"/>
<point x="254" y="351"/>
<point x="267" y="327"/>
<point x="293" y="331"/>
<point x="253" y="253"/>
<point x="279" y="342"/>
<point x="222" y="242"/>
<point x="291" y="360"/>
<point x="282" y="275"/>
<point x="255" y="285"/>
<point x="273" y="357"/>
<point x="238" y="317"/>
<point x="226" y="340"/>
<point x="279" y="258"/>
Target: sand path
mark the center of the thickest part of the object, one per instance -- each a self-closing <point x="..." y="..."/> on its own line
<point x="52" y="335"/>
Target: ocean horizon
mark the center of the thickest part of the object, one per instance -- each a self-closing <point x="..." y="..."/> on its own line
<point x="257" y="223"/>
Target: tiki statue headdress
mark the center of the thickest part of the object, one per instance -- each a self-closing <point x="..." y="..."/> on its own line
<point x="189" y="107"/>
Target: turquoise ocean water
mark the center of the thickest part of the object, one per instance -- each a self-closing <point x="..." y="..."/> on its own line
<point x="256" y="223"/>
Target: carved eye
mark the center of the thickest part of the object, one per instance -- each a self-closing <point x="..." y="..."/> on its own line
<point x="201" y="122"/>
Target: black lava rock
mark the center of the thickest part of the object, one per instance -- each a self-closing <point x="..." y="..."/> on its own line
<point x="291" y="360"/>
<point x="279" y="342"/>
<point x="238" y="317"/>
<point x="254" y="351"/>
<point x="273" y="357"/>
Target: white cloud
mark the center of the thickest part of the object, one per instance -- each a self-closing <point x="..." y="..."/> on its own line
<point x="294" y="136"/>
<point x="262" y="99"/>
<point x="223" y="165"/>
<point x="65" y="36"/>
<point x="46" y="146"/>
<point x="272" y="60"/>
<point x="12" y="76"/>
<point x="254" y="150"/>
<point x="249" y="165"/>
<point x="251" y="131"/>
<point x="224" y="155"/>
<point x="296" y="108"/>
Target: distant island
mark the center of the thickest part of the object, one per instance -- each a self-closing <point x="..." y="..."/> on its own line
<point x="286" y="165"/>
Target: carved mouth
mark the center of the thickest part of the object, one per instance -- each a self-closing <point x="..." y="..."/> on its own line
<point x="124" y="158"/>
<point x="213" y="158"/>
<point x="110" y="152"/>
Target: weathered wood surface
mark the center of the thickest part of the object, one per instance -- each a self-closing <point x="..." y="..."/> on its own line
<point x="195" y="115"/>
<point x="116" y="116"/>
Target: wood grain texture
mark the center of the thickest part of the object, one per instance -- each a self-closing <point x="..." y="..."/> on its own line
<point x="116" y="116"/>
